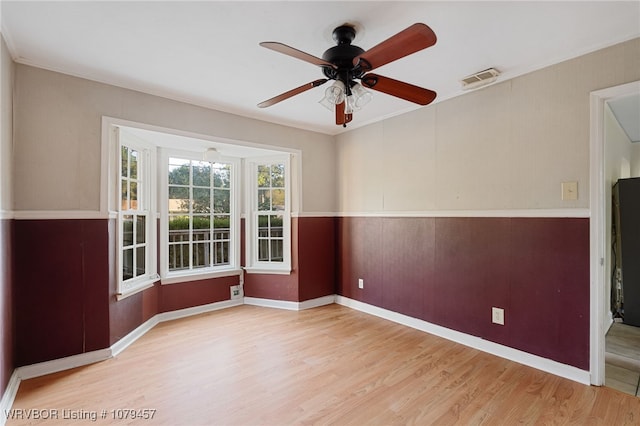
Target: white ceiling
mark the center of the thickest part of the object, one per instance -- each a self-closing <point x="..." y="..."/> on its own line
<point x="207" y="52"/>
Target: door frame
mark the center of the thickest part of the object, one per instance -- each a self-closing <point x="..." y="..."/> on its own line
<point x="599" y="302"/>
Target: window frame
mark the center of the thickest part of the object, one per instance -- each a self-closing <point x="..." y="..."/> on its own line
<point x="253" y="264"/>
<point x="194" y="144"/>
<point x="146" y="171"/>
<point x="184" y="275"/>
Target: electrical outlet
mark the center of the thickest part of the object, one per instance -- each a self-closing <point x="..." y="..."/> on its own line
<point x="236" y="292"/>
<point x="360" y="283"/>
<point x="497" y="316"/>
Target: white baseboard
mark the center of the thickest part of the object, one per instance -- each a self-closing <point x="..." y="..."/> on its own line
<point x="291" y="306"/>
<point x="540" y="363"/>
<point x="61" y="364"/>
<point x="133" y="335"/>
<point x="320" y="301"/>
<point x="187" y="312"/>
<point x="9" y="395"/>
<point x="270" y="303"/>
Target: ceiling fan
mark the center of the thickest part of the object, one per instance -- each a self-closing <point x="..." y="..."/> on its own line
<point x="345" y="63"/>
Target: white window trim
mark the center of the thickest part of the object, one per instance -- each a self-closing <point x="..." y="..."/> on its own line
<point x="233" y="268"/>
<point x="253" y="266"/>
<point x="130" y="287"/>
<point x="109" y="178"/>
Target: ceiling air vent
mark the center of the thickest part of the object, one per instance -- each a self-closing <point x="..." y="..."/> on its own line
<point x="479" y="79"/>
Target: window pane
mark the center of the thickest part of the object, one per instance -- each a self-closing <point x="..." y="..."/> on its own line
<point x="263" y="226"/>
<point x="264" y="176"/>
<point x="133" y="165"/>
<point x="140" y="261"/>
<point x="178" y="171"/>
<point x="127" y="264"/>
<point x="276" y="250"/>
<point x="201" y="200"/>
<point x="178" y="199"/>
<point x="178" y="256"/>
<point x="178" y="222"/>
<point x="275" y="221"/>
<point x="276" y="232"/>
<point x="263" y="250"/>
<point x="277" y="199"/>
<point x="127" y="232"/>
<point x="221" y="221"/>
<point x="200" y="255"/>
<point x="140" y="229"/>
<point x="222" y="176"/>
<point x="200" y="226"/>
<point x="277" y="176"/>
<point x="222" y="201"/>
<point x="133" y="195"/>
<point x="124" y="161"/>
<point x="221" y="253"/>
<point x="264" y="199"/>
<point x="201" y="174"/>
<point x="124" y="200"/>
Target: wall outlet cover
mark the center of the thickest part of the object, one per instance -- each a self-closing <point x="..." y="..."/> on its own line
<point x="236" y="292"/>
<point x="497" y="316"/>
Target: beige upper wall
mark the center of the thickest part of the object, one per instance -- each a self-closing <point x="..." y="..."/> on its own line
<point x="6" y="127"/>
<point x="507" y="146"/>
<point x="58" y="139"/>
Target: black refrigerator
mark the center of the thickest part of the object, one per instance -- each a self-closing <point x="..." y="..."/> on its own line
<point x="626" y="247"/>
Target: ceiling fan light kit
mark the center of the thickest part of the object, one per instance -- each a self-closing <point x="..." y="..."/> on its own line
<point x="346" y="63"/>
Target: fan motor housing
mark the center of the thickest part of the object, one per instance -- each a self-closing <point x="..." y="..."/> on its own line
<point x="341" y="55"/>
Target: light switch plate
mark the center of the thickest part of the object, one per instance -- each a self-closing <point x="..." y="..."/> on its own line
<point x="569" y="191"/>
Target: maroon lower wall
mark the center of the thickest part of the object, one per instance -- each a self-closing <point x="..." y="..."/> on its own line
<point x="6" y="304"/>
<point x="312" y="263"/>
<point x="316" y="257"/>
<point x="448" y="271"/>
<point x="451" y="271"/>
<point x="61" y="288"/>
<point x="65" y="299"/>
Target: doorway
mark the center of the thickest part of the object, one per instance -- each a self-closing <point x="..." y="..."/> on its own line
<point x="607" y="165"/>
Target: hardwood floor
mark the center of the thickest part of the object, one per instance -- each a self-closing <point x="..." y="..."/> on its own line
<point x="329" y="365"/>
<point x="622" y="367"/>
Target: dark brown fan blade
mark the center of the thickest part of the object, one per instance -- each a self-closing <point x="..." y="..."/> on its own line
<point x="340" y="116"/>
<point x="413" y="39"/>
<point x="399" y="89"/>
<point x="292" y="92"/>
<point x="298" y="54"/>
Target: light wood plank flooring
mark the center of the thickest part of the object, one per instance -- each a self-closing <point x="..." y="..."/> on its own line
<point x="330" y="365"/>
<point x="622" y="355"/>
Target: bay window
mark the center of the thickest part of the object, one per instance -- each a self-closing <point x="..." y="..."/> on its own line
<point x="181" y="208"/>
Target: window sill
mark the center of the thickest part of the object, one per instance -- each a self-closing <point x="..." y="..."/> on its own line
<point x="177" y="278"/>
<point x="273" y="271"/>
<point x="141" y="286"/>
